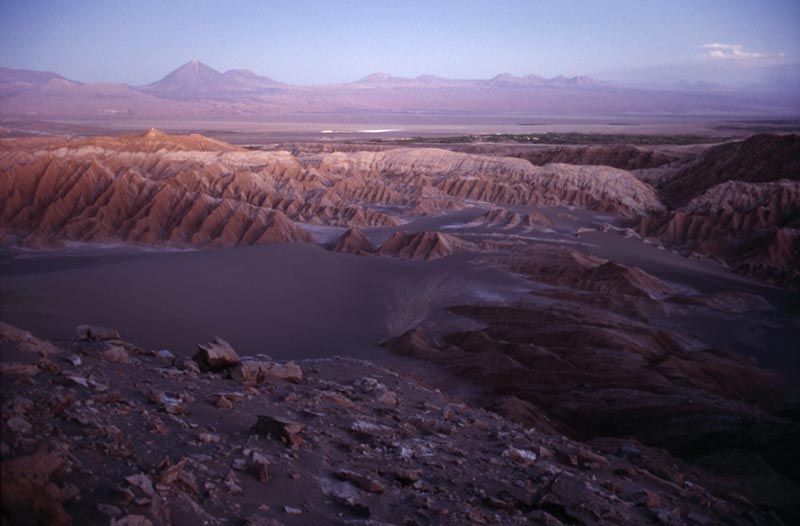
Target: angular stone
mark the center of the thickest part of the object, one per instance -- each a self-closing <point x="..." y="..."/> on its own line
<point x="216" y="355"/>
<point x="258" y="465"/>
<point x="651" y="500"/>
<point x="19" y="425"/>
<point x="370" y="430"/>
<point x="361" y="481"/>
<point x="208" y="438"/>
<point x="190" y="366"/>
<point x="115" y="354"/>
<point x="522" y="456"/>
<point x="334" y="397"/>
<point x="96" y="333"/>
<point x="407" y="476"/>
<point x="76" y="380"/>
<point x="168" y="404"/>
<point x="543" y="452"/>
<point x="142" y="482"/>
<point x="45" y="364"/>
<point x="257" y="371"/>
<point x="178" y="477"/>
<point x="164" y="355"/>
<point x="281" y="429"/>
<point x="388" y="398"/>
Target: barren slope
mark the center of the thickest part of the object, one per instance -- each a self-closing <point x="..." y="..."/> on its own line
<point x="622" y="156"/>
<point x="155" y="188"/>
<point x="99" y="431"/>
<point x="498" y="180"/>
<point x="753" y="226"/>
<point x="589" y="355"/>
<point x="759" y="159"/>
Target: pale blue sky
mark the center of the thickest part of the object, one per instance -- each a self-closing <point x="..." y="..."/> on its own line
<point x="305" y="42"/>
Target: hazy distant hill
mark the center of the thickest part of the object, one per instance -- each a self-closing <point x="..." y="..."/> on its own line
<point x="195" y="89"/>
<point x="196" y="81"/>
<point x="14" y="81"/>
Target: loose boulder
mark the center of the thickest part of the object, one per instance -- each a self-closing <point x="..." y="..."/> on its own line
<point x="257" y="371"/>
<point x="96" y="333"/>
<point x="216" y="355"/>
<point x="281" y="429"/>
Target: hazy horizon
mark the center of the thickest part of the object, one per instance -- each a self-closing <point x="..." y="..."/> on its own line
<point x="302" y="43"/>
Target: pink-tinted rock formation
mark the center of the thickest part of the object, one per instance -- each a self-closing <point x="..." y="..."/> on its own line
<point x="354" y="242"/>
<point x="158" y="189"/>
<point x="759" y="159"/>
<point x="755" y="227"/>
<point x="500" y="180"/>
<point x="506" y="219"/>
<point x="624" y="156"/>
<point x="422" y="245"/>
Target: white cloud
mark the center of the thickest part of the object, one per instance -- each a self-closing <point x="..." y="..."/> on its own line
<point x="735" y="52"/>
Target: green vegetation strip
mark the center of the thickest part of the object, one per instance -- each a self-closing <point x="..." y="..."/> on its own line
<point x="569" y="138"/>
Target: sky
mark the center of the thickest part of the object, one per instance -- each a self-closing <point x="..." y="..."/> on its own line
<point x="320" y="42"/>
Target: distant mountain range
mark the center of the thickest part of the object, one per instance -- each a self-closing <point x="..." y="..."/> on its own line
<point x="195" y="89"/>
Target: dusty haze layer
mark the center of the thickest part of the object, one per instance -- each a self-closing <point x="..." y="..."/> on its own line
<point x="196" y="89"/>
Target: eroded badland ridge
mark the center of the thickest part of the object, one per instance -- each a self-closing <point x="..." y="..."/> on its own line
<point x="737" y="202"/>
<point x="591" y="398"/>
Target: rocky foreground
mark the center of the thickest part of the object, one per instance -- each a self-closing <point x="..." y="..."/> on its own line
<point x="98" y="431"/>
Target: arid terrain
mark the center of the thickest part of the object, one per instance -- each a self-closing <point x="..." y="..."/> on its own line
<point x="446" y="330"/>
<point x="195" y="89"/>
